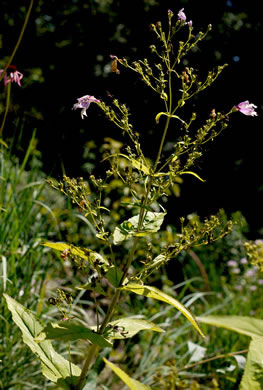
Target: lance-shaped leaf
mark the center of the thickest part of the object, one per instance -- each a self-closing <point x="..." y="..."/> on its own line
<point x="54" y="366"/>
<point x="192" y="173"/>
<point x="70" y="331"/>
<point x="253" y="374"/>
<point x="133" y="384"/>
<point x="151" y="224"/>
<point x="154" y="293"/>
<point x="124" y="328"/>
<point x="253" y="327"/>
<point x="84" y="253"/>
<point x="244" y="325"/>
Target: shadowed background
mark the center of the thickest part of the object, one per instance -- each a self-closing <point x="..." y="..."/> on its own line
<point x="65" y="54"/>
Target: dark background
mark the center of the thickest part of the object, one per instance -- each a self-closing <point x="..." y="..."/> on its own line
<point x="65" y="54"/>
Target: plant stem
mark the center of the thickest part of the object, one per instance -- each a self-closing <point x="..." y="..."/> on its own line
<point x="19" y="40"/>
<point x="223" y="355"/>
<point x="6" y="108"/>
<point x="107" y="318"/>
<point x="91" y="353"/>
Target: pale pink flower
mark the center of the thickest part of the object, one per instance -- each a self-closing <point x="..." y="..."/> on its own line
<point x="243" y="261"/>
<point x="181" y="15"/>
<point x="84" y="103"/>
<point x="247" y="108"/>
<point x="232" y="263"/>
<point x="12" y="75"/>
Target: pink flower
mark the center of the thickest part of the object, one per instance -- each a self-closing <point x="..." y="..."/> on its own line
<point x="247" y="108"/>
<point x="12" y="75"/>
<point x="181" y="15"/>
<point x="84" y="103"/>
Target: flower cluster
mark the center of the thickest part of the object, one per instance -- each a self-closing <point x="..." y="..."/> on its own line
<point x="84" y="103"/>
<point x="12" y="75"/>
<point x="244" y="276"/>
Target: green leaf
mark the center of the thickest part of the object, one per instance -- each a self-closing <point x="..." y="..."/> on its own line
<point x="154" y="293"/>
<point x="84" y="253"/>
<point x="157" y="118"/>
<point x="129" y="326"/>
<point x="2" y="142"/>
<point x="151" y="224"/>
<point x="54" y="366"/>
<point x="70" y="331"/>
<point x="114" y="275"/>
<point x="140" y="166"/>
<point x="253" y="374"/>
<point x="133" y="384"/>
<point x="244" y="325"/>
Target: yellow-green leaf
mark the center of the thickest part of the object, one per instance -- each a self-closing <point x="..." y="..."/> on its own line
<point x="140" y="166"/>
<point x="154" y="293"/>
<point x="248" y="326"/>
<point x="3" y="143"/>
<point x="84" y="253"/>
<point x="133" y="384"/>
<point x="194" y="174"/>
<point x="253" y="374"/>
<point x="129" y="326"/>
<point x="54" y="366"/>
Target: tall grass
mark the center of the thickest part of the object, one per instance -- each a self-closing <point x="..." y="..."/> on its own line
<point x="24" y="266"/>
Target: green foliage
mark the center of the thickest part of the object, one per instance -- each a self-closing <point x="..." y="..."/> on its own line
<point x="54" y="366"/>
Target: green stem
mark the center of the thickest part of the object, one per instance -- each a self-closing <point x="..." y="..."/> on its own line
<point x="143" y="211"/>
<point x="19" y="39"/>
<point x="6" y="108"/>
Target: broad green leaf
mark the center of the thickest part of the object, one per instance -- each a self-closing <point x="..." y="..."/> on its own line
<point x="151" y="224"/>
<point x="244" y="325"/>
<point x="133" y="384"/>
<point x="154" y="293"/>
<point x="129" y="326"/>
<point x="54" y="366"/>
<point x="114" y="275"/>
<point x="84" y="253"/>
<point x="253" y="374"/>
<point x="70" y="331"/>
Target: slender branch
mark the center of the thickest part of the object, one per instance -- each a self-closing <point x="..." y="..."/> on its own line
<point x="19" y="39"/>
<point x="223" y="355"/>
<point x="6" y="108"/>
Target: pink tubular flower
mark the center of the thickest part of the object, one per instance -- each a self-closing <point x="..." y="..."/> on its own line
<point x="84" y="103"/>
<point x="247" y="108"/>
<point x="12" y="75"/>
<point x="181" y="15"/>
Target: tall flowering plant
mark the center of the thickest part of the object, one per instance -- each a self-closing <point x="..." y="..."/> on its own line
<point x="114" y="268"/>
